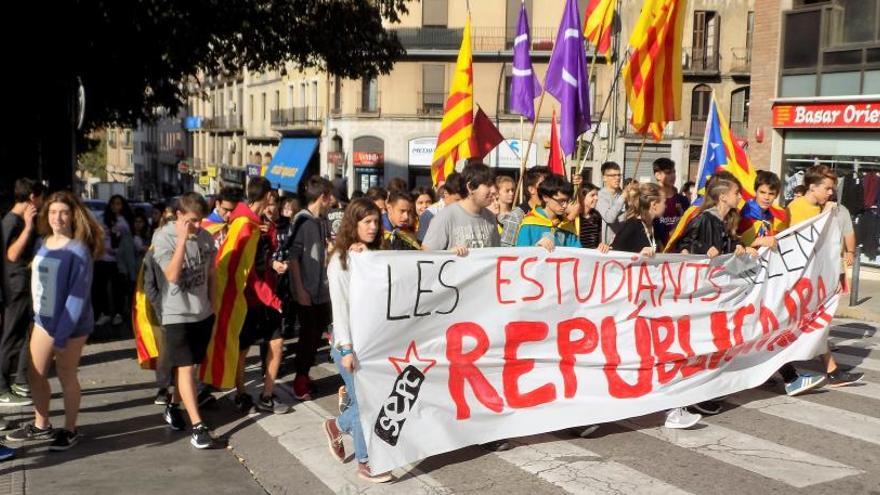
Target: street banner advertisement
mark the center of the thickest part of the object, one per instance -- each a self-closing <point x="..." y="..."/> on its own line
<point x="455" y="351"/>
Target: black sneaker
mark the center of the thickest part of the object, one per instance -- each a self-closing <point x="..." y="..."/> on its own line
<point x="21" y="390"/>
<point x="708" y="407"/>
<point x="31" y="432"/>
<point x="205" y="397"/>
<point x="840" y="378"/>
<point x="163" y="398"/>
<point x="272" y="405"/>
<point x="243" y="402"/>
<point x="174" y="417"/>
<point x="201" y="437"/>
<point x="64" y="440"/>
<point x="9" y="399"/>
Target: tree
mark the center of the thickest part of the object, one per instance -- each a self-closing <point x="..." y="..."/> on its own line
<point x="93" y="160"/>
<point x="136" y="55"/>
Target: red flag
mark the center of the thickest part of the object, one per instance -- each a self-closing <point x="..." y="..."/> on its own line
<point x="555" y="162"/>
<point x="487" y="135"/>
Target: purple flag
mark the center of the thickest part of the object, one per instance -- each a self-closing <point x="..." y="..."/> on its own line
<point x="524" y="86"/>
<point x="567" y="78"/>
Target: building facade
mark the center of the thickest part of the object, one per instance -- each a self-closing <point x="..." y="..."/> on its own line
<point x="372" y="130"/>
<point x="819" y="95"/>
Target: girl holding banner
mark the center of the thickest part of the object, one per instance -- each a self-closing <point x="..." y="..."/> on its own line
<point x="360" y="230"/>
<point x="645" y="203"/>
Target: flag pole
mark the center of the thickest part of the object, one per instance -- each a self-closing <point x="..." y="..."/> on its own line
<point x="614" y="84"/>
<point x="522" y="165"/>
<point x="639" y="156"/>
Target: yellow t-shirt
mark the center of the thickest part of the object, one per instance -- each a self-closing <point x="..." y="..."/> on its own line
<point x="801" y="210"/>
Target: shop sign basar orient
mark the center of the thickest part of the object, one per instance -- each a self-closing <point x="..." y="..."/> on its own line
<point x="835" y="115"/>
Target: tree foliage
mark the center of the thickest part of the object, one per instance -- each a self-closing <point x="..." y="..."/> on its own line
<point x="136" y="55"/>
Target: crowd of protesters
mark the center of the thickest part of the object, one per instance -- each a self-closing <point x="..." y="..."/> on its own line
<point x="65" y="272"/>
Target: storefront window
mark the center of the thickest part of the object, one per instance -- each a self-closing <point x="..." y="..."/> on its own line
<point x="872" y="82"/>
<point x="859" y="176"/>
<point x="840" y="83"/>
<point x="804" y="85"/>
<point x="859" y="19"/>
<point x="800" y="28"/>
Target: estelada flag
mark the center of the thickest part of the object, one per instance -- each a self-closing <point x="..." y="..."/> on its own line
<point x="652" y="74"/>
<point x="722" y="151"/>
<point x="599" y="24"/>
<point x="235" y="260"/>
<point x="556" y="161"/>
<point x="145" y="324"/>
<point x="456" y="139"/>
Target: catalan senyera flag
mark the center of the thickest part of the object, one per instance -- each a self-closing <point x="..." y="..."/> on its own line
<point x="598" y="25"/>
<point x="652" y="74"/>
<point x="456" y="139"/>
<point x="722" y="151"/>
<point x="235" y="260"/>
<point x="145" y="325"/>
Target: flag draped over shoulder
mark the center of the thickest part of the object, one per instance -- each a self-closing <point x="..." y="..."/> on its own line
<point x="456" y="139"/>
<point x="653" y="72"/>
<point x="598" y="25"/>
<point x="722" y="151"/>
<point x="145" y="325"/>
<point x="566" y="78"/>
<point x="235" y="259"/>
<point x="524" y="85"/>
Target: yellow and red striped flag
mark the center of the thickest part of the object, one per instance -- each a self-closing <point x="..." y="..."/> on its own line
<point x="598" y="25"/>
<point x="145" y="325"/>
<point x="653" y="72"/>
<point x="233" y="264"/>
<point x="456" y="140"/>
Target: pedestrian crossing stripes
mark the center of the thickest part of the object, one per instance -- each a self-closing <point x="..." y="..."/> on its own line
<point x="578" y="470"/>
<point x="769" y="459"/>
<point x="566" y="465"/>
<point x="840" y="421"/>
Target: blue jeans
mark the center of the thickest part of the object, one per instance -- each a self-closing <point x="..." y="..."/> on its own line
<point x="349" y="421"/>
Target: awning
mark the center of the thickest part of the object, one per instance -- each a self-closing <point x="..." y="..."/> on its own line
<point x="289" y="163"/>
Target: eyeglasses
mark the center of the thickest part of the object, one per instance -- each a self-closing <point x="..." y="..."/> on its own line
<point x="562" y="202"/>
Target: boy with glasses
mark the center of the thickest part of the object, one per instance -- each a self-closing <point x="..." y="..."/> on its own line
<point x="547" y="225"/>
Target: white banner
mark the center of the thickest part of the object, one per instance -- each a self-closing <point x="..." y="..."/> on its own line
<point x="509" y="154"/>
<point x="512" y="342"/>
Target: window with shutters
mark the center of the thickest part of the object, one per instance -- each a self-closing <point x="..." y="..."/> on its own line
<point x="433" y="89"/>
<point x="703" y="55"/>
<point x="435" y="13"/>
<point x="701" y="98"/>
<point x="337" y="95"/>
<point x="369" y="96"/>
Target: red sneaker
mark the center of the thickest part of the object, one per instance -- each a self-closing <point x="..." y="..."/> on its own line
<point x="301" y="388"/>
<point x="334" y="439"/>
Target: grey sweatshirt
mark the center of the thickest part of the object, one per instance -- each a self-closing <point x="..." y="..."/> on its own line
<point x="309" y="248"/>
<point x="612" y="208"/>
<point x="187" y="301"/>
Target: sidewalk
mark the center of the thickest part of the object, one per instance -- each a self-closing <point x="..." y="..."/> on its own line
<point x="868" y="307"/>
<point x="126" y="446"/>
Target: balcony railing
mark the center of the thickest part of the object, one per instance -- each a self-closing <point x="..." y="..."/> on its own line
<point x="741" y="61"/>
<point x="297" y="116"/>
<point x="700" y="60"/>
<point x="431" y="103"/>
<point x="483" y="38"/>
<point x="230" y="122"/>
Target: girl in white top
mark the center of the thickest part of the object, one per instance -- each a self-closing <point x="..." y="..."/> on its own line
<point x="360" y="230"/>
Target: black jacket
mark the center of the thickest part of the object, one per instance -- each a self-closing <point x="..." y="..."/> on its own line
<point x="704" y="232"/>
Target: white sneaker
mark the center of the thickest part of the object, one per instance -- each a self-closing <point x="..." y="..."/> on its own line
<point x="117" y="320"/>
<point x="679" y="419"/>
<point x="103" y="320"/>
